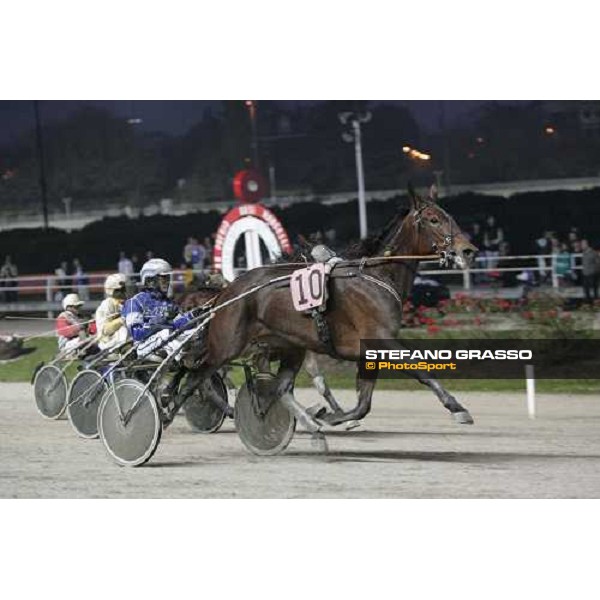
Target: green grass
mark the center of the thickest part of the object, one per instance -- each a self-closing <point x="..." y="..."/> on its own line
<point x="339" y="375"/>
<point x="21" y="369"/>
<point x="343" y="376"/>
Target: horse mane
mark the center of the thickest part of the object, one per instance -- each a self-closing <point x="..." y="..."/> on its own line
<point x="370" y="246"/>
<point x="375" y="243"/>
<point x="198" y="296"/>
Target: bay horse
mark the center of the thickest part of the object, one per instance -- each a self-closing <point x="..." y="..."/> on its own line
<point x="364" y="303"/>
<point x="205" y="296"/>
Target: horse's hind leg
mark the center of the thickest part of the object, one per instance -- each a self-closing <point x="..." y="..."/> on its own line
<point x="365" y="388"/>
<point x="459" y="413"/>
<point x="201" y="379"/>
<point x="290" y="363"/>
<point x="311" y="366"/>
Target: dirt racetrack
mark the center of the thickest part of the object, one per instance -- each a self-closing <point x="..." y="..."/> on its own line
<point x="407" y="447"/>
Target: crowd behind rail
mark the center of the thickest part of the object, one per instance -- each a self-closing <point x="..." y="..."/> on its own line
<point x="560" y="262"/>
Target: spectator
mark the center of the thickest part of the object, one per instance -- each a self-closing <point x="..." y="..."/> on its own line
<point x="476" y="238"/>
<point x="573" y="239"/>
<point x="562" y="264"/>
<point x="179" y="285"/>
<point x="330" y="237"/>
<point x="576" y="262"/>
<point x="208" y="247"/>
<point x="62" y="280"/>
<point x="506" y="278"/>
<point x="8" y="279"/>
<point x="476" y="235"/>
<point x="188" y="277"/>
<point x="81" y="280"/>
<point x="149" y="255"/>
<point x="316" y="237"/>
<point x="492" y="237"/>
<point x="135" y="262"/>
<point x="188" y="249"/>
<point x="590" y="263"/>
<point x="194" y="254"/>
<point x="125" y="266"/>
<point x="544" y="246"/>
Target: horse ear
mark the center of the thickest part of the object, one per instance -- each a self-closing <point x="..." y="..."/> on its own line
<point x="433" y="193"/>
<point x="412" y="196"/>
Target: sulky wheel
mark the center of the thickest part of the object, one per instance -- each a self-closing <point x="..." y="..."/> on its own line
<point x="265" y="427"/>
<point x="129" y="423"/>
<point x="50" y="391"/>
<point x="203" y="415"/>
<point x="85" y="395"/>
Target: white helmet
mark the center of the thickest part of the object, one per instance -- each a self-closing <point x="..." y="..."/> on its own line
<point x="71" y="300"/>
<point x="155" y="267"/>
<point x="114" y="282"/>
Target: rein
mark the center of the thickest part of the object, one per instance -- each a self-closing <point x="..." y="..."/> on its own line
<point x="375" y="259"/>
<point x="357" y="261"/>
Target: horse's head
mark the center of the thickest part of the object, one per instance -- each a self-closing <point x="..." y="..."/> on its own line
<point x="432" y="229"/>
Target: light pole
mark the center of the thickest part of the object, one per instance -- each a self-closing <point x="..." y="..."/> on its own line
<point x="40" y="153"/>
<point x="354" y="135"/>
<point x="272" y="183"/>
<point x="68" y="203"/>
<point x="446" y="148"/>
<point x="251" y="104"/>
<point x="133" y="121"/>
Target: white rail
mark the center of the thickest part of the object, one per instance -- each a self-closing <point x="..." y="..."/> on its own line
<point x="22" y="293"/>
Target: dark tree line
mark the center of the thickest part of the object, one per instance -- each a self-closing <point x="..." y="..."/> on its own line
<point x="524" y="217"/>
<point x="97" y="158"/>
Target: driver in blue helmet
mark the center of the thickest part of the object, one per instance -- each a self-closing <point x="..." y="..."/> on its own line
<point x="152" y="317"/>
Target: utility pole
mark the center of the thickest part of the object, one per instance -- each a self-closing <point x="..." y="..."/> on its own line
<point x="40" y="155"/>
<point x="272" y="183"/>
<point x="447" y="179"/>
<point x="251" y="104"/>
<point x="354" y="120"/>
<point x="133" y="121"/>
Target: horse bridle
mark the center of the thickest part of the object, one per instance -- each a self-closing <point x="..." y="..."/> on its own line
<point x="442" y="250"/>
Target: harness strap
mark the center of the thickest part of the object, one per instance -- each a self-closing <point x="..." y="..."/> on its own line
<point x="383" y="284"/>
<point x="323" y="331"/>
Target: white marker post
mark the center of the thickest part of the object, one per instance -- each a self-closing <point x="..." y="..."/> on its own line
<point x="530" y="381"/>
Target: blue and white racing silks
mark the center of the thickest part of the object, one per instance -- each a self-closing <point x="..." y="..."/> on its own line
<point x="149" y="312"/>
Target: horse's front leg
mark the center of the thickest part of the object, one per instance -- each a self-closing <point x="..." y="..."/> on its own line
<point x="459" y="413"/>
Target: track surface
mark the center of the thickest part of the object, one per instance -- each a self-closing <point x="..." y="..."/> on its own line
<point x="407" y="447"/>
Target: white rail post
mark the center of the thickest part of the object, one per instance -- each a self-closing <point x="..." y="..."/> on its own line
<point x="362" y="206"/>
<point x="554" y="275"/>
<point x="530" y="383"/>
<point x="49" y="297"/>
<point x="467" y="279"/>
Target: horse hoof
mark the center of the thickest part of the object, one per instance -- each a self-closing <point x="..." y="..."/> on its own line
<point x="352" y="425"/>
<point x="463" y="417"/>
<point x="331" y="419"/>
<point x="319" y="442"/>
<point x="316" y="411"/>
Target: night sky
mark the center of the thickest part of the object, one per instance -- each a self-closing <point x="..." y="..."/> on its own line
<point x="176" y="117"/>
